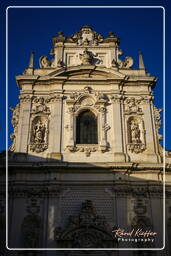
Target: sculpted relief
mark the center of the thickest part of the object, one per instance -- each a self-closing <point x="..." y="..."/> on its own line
<point x="131" y="105"/>
<point x="86" y="57"/>
<point x="136" y="137"/>
<point x="135" y="132"/>
<point x="39" y="140"/>
<point x="39" y="127"/>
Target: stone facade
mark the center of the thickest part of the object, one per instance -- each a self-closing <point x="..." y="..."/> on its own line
<point x="64" y="194"/>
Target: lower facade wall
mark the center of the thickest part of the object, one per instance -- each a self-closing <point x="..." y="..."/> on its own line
<point x="46" y="212"/>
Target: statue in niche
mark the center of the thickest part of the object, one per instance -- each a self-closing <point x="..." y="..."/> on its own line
<point x="39" y="140"/>
<point x="39" y="132"/>
<point x="135" y="132"/>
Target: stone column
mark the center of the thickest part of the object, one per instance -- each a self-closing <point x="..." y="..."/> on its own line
<point x="118" y="146"/>
<point x="24" y="124"/>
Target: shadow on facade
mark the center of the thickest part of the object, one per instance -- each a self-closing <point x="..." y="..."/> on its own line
<point x="55" y="204"/>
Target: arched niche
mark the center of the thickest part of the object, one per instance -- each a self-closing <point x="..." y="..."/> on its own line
<point x="39" y="134"/>
<point x="136" y="134"/>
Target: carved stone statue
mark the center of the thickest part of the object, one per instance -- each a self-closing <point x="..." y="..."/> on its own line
<point x="86" y="57"/>
<point x="39" y="132"/>
<point x="39" y="140"/>
<point x="135" y="132"/>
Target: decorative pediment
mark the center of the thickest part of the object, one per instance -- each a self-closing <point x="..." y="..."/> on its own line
<point x="88" y="71"/>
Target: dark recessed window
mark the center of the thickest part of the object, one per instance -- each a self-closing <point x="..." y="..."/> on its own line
<point x="86" y="128"/>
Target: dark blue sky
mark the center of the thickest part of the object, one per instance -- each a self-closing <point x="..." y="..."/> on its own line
<point x="33" y="29"/>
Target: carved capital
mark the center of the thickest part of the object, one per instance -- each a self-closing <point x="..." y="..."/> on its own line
<point x="25" y="98"/>
<point x="116" y="98"/>
<point x="54" y="98"/>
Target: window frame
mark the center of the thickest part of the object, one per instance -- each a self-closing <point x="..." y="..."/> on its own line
<point x="75" y="122"/>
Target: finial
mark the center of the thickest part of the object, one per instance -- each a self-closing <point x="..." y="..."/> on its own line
<point x="141" y="62"/>
<point x="31" y="61"/>
<point x="111" y="34"/>
<point x="61" y="34"/>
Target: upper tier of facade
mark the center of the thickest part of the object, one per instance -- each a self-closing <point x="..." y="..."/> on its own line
<point x="87" y="105"/>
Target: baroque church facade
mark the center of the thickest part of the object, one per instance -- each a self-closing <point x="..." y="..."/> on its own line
<point x="85" y="162"/>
